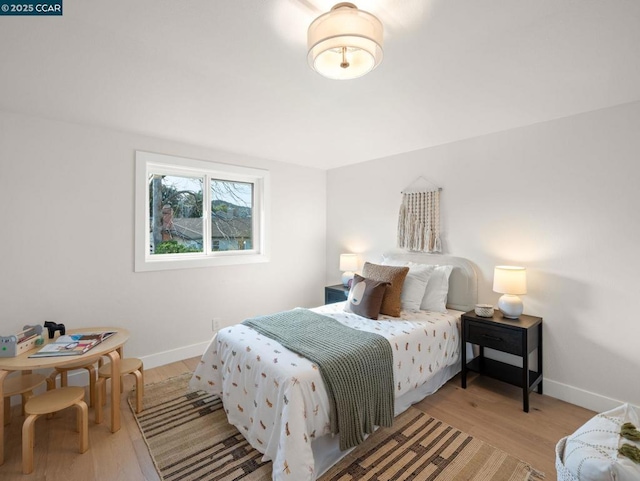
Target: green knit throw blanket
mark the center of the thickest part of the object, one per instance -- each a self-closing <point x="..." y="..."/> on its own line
<point x="356" y="367"/>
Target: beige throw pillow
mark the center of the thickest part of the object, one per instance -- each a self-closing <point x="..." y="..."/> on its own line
<point x="395" y="276"/>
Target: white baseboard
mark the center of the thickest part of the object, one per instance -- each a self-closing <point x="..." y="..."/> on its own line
<point x="558" y="390"/>
<point x="174" y="355"/>
<point x="580" y="397"/>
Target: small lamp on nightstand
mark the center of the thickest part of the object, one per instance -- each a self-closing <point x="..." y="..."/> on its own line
<point x="511" y="281"/>
<point x="348" y="264"/>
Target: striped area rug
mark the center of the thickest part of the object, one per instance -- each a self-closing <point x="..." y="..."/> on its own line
<point x="190" y="439"/>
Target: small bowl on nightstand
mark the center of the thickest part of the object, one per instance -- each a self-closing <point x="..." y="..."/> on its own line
<point x="484" y="310"/>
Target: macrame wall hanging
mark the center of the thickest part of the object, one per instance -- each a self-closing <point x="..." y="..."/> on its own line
<point x="419" y="217"/>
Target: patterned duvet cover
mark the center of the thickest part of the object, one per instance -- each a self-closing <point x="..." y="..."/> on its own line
<point x="277" y="398"/>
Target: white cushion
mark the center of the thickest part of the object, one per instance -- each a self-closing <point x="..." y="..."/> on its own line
<point x="435" y="297"/>
<point x="591" y="453"/>
<point x="415" y="285"/>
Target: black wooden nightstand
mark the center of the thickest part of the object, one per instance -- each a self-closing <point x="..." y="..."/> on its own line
<point x="519" y="337"/>
<point x="337" y="293"/>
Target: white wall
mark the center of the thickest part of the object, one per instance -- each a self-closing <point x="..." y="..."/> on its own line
<point x="560" y="198"/>
<point x="68" y="232"/>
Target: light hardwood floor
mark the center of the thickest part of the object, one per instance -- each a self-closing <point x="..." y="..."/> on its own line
<point x="487" y="409"/>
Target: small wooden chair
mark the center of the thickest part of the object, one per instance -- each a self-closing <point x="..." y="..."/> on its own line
<point x="22" y="384"/>
<point x="129" y="365"/>
<point x="51" y="402"/>
<point x="63" y="371"/>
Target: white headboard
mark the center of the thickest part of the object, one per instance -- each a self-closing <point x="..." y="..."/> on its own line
<point x="463" y="282"/>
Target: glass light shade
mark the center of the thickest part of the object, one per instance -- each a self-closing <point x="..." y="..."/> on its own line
<point x="348" y="262"/>
<point x="345" y="42"/>
<point x="510" y="280"/>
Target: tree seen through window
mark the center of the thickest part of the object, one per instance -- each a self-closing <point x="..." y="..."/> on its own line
<point x="176" y="210"/>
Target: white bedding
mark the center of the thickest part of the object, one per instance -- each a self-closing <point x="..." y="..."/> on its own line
<point x="277" y="398"/>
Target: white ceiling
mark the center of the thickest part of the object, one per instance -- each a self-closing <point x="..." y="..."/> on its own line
<point x="233" y="75"/>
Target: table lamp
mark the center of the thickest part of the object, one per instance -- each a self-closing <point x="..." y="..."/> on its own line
<point x="510" y="281"/>
<point x="348" y="264"/>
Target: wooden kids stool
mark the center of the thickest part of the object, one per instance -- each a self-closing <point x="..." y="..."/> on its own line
<point x="47" y="403"/>
<point x="20" y="384"/>
<point x="129" y="365"/>
<point x="63" y="370"/>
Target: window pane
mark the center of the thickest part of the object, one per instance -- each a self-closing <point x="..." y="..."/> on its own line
<point x="231" y="215"/>
<point x="175" y="207"/>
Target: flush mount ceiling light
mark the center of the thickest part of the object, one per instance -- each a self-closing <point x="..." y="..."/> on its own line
<point x="345" y="42"/>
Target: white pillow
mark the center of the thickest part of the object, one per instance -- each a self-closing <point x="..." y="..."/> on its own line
<point x="591" y="453"/>
<point x="435" y="297"/>
<point x="415" y="285"/>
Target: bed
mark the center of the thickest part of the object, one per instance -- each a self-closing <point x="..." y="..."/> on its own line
<point x="277" y="399"/>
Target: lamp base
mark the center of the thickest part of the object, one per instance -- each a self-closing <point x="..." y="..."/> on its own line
<point x="346" y="277"/>
<point x="511" y="306"/>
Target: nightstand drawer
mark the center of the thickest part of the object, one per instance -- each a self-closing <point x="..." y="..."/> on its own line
<point x="505" y="340"/>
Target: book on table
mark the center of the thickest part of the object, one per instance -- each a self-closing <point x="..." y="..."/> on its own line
<point x="72" y="344"/>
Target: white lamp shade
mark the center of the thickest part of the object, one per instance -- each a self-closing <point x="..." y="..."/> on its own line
<point x="348" y="262"/>
<point x="345" y="42"/>
<point x="510" y="280"/>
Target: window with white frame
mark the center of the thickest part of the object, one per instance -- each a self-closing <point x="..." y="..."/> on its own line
<point x="192" y="213"/>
